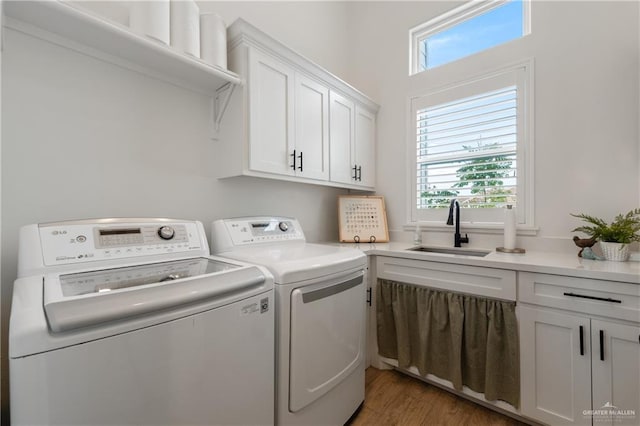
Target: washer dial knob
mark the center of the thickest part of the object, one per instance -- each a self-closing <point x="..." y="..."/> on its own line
<point x="283" y="226"/>
<point x="166" y="232"/>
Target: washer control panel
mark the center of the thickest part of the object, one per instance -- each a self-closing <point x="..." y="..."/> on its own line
<point x="228" y="233"/>
<point x="139" y="235"/>
<point x="73" y="242"/>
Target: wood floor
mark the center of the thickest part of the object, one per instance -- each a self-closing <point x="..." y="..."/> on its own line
<point x="392" y="398"/>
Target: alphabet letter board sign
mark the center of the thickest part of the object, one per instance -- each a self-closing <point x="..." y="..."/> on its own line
<point x="363" y="219"/>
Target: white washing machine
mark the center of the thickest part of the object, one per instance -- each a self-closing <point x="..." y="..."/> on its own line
<point x="320" y="316"/>
<point x="130" y="321"/>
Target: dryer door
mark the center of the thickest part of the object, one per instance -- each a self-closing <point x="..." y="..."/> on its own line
<point x="327" y="336"/>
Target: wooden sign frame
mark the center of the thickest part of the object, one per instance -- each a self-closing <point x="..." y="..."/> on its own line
<point x="362" y="219"/>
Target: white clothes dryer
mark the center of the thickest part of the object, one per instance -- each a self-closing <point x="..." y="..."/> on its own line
<point x="130" y="321"/>
<point x="320" y="316"/>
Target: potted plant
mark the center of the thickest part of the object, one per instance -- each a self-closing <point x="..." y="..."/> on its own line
<point x="615" y="237"/>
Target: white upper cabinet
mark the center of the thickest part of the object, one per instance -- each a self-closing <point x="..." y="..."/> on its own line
<point x="341" y="132"/>
<point x="293" y="120"/>
<point x="271" y="115"/>
<point x="288" y="120"/>
<point x="352" y="143"/>
<point x="364" y="150"/>
<point x="312" y="129"/>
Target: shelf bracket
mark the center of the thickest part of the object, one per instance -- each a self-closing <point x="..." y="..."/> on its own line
<point x="220" y="102"/>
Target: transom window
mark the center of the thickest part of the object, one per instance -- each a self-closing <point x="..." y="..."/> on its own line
<point x="470" y="142"/>
<point x="468" y="29"/>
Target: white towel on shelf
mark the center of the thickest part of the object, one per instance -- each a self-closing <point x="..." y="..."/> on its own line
<point x="150" y="18"/>
<point x="213" y="40"/>
<point x="185" y="27"/>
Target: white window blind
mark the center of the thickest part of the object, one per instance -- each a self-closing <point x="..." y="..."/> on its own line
<point x="467" y="149"/>
<point x="472" y="141"/>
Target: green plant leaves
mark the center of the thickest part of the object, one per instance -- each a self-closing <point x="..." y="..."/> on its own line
<point x="624" y="229"/>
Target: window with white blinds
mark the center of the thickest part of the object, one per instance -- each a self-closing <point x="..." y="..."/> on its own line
<point x="470" y="143"/>
<point x="466" y="149"/>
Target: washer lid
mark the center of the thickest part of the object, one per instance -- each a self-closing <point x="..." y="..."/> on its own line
<point x="88" y="298"/>
<point x="293" y="262"/>
<point x="105" y="280"/>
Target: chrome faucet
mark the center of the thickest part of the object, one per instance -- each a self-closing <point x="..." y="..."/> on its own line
<point x="457" y="238"/>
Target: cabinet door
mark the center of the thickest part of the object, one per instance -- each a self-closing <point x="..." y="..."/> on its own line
<point x="616" y="372"/>
<point x="555" y="366"/>
<point x="365" y="135"/>
<point x="271" y="130"/>
<point x="341" y="134"/>
<point x="312" y="129"/>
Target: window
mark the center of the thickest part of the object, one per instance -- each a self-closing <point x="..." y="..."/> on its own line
<point x="467" y="150"/>
<point x="470" y="142"/>
<point x="469" y="29"/>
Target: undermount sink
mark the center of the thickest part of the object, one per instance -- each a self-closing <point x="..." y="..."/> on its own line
<point x="445" y="250"/>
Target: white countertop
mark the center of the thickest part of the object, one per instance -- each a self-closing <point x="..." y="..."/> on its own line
<point x="531" y="261"/>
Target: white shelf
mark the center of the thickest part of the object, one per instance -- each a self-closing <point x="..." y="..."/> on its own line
<point x="117" y="41"/>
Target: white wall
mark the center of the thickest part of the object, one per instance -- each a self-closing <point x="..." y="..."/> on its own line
<point x="83" y="138"/>
<point x="315" y="29"/>
<point x="586" y="106"/>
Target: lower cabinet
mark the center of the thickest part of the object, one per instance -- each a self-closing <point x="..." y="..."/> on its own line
<point x="615" y="370"/>
<point x="579" y="337"/>
<point x="555" y="373"/>
<point x="578" y="370"/>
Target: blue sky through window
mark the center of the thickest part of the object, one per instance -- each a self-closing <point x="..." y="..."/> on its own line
<point x="490" y="29"/>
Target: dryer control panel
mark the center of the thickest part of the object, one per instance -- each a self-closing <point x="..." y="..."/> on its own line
<point x="229" y="233"/>
<point x="82" y="241"/>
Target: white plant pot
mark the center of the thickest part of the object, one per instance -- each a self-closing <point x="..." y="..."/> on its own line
<point x="616" y="252"/>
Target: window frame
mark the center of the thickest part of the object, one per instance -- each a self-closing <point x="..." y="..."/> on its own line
<point x="452" y="18"/>
<point x="520" y="74"/>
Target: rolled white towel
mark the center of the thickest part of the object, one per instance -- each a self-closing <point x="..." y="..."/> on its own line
<point x="213" y="40"/>
<point x="150" y="18"/>
<point x="185" y="27"/>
